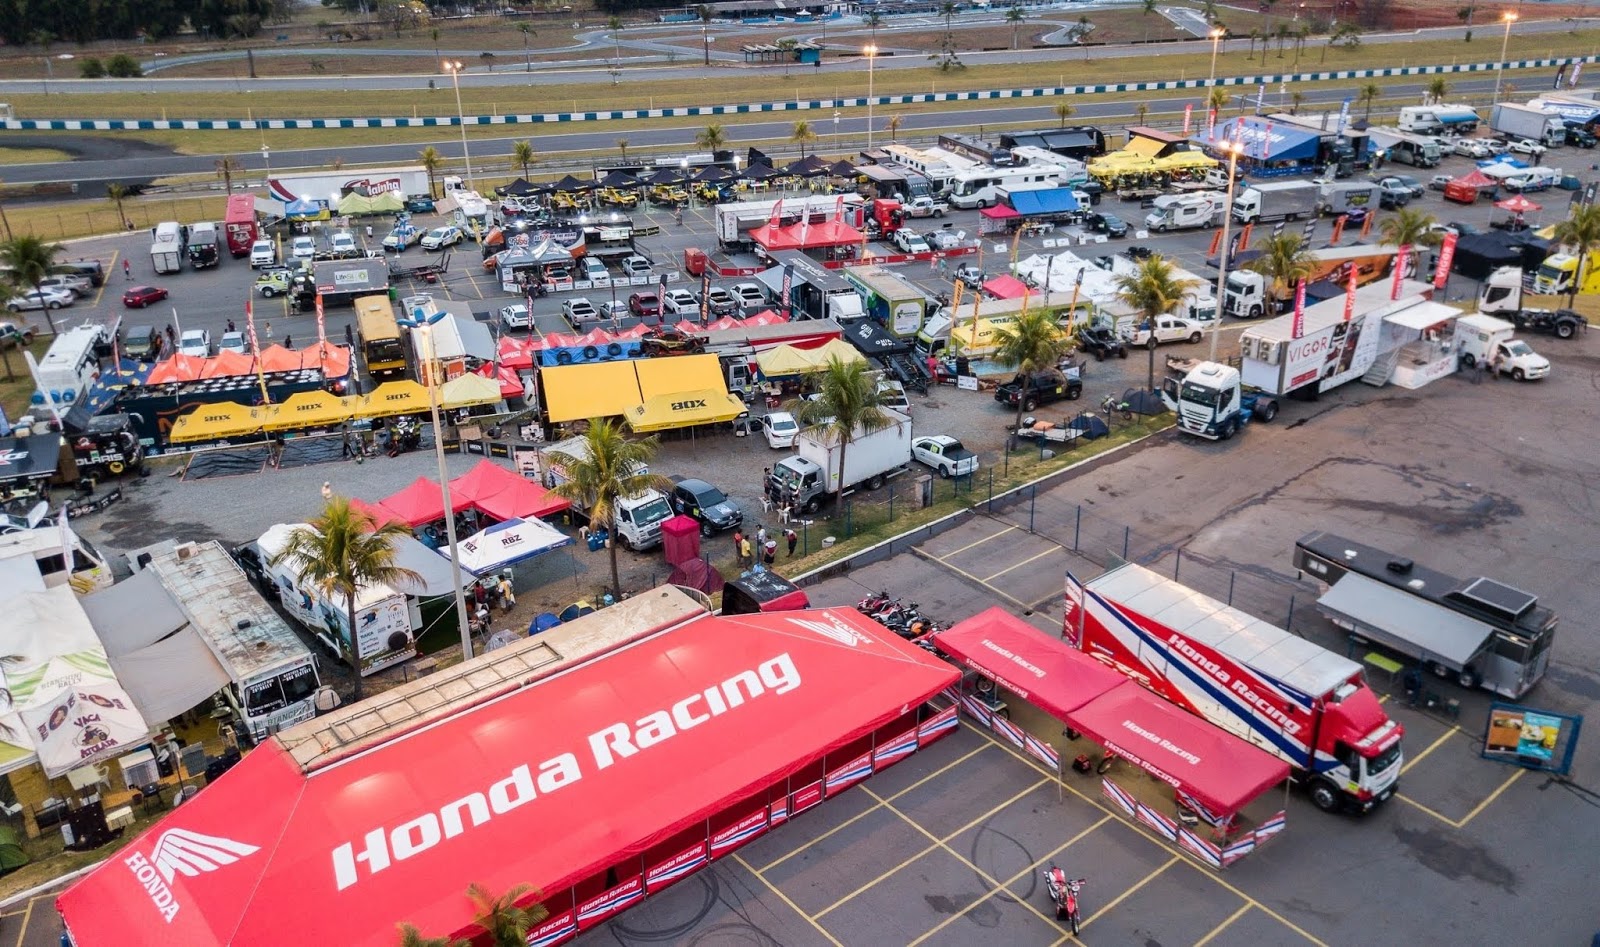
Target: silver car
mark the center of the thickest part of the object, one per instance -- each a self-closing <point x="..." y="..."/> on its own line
<point x="41" y="299"/>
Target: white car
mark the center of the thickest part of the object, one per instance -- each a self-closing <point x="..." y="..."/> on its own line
<point x="303" y="248"/>
<point x="516" y="317"/>
<point x="196" y="342"/>
<point x="594" y="270"/>
<point x="892" y="395"/>
<point x="636" y="265"/>
<point x="909" y="241"/>
<point x="578" y="310"/>
<point x="344" y="245"/>
<point x="263" y="253"/>
<point x="780" y="429"/>
<point x="1472" y="148"/>
<point x="233" y="342"/>
<point x="1526" y="146"/>
<point x="749" y="295"/>
<point x="41" y="299"/>
<point x="440" y="237"/>
<point x="944" y="454"/>
<point x="401" y="237"/>
<point x="680" y="302"/>
<point x="613" y="310"/>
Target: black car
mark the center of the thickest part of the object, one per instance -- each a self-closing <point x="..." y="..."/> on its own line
<point x="705" y="503"/>
<point x="1580" y="137"/>
<point x="1109" y="224"/>
<point x="1102" y="342"/>
<point x="251" y="563"/>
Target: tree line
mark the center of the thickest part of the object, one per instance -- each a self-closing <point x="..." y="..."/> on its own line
<point x="44" y="22"/>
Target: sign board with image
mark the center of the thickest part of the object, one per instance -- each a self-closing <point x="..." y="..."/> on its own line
<point x="1531" y="738"/>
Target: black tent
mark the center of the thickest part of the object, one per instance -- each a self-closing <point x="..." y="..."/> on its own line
<point x="712" y="173"/>
<point x="521" y="187"/>
<point x="754" y="156"/>
<point x="1144" y="401"/>
<point x="1091" y="425"/>
<point x="842" y="169"/>
<point x="570" y="183"/>
<point x="807" y="167"/>
<point x="665" y="176"/>
<point x="619" y="179"/>
<point x="759" y="172"/>
<point x="1479" y="254"/>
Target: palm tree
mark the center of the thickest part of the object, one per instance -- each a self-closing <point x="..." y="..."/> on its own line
<point x="1152" y="290"/>
<point x="340" y="552"/>
<point x="1015" y="16"/>
<point x="712" y="138"/>
<point x="705" y="13"/>
<point x="226" y="165"/>
<point x="1296" y="99"/>
<point x="1284" y="261"/>
<point x="431" y="162"/>
<point x="522" y="155"/>
<point x="1217" y="98"/>
<point x="873" y="20"/>
<point x="506" y="924"/>
<point x="1033" y="342"/>
<point x="118" y="193"/>
<point x="1368" y="94"/>
<point x="614" y="24"/>
<point x="848" y="406"/>
<point x="892" y="126"/>
<point x="1140" y="112"/>
<point x="527" y="56"/>
<point x="30" y="259"/>
<point x="622" y="146"/>
<point x="1438" y="87"/>
<point x="411" y="937"/>
<point x="608" y="474"/>
<point x="1064" y="111"/>
<point x="802" y="134"/>
<point x="1580" y="232"/>
<point x="1408" y="227"/>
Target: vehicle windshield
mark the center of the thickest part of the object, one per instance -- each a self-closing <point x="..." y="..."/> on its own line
<point x="1377" y="764"/>
<point x="784" y="425"/>
<point x="1518" y="348"/>
<point x="653" y="512"/>
<point x="1236" y="283"/>
<point x="1199" y="394"/>
<point x="1550" y="272"/>
<point x="710" y="496"/>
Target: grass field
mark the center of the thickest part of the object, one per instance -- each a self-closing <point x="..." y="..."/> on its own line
<point x="61" y="221"/>
<point x="16" y="385"/>
<point x="31" y="155"/>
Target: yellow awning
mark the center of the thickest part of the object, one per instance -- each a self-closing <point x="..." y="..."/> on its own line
<point x="308" y="409"/>
<point x="836" y="349"/>
<point x="681" y="373"/>
<point x="213" y="422"/>
<point x="1143" y="147"/>
<point x="395" y="397"/>
<point x="464" y="391"/>
<point x="595" y="390"/>
<point x="785" y="360"/>
<point x="685" y="409"/>
<point x="1185" y="159"/>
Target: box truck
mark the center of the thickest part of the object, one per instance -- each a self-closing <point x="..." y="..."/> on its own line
<point x="1477" y="631"/>
<point x="1544" y="126"/>
<point x="638" y="517"/>
<point x="1306" y="705"/>
<point x="1276" y="200"/>
<point x="202" y="248"/>
<point x="889" y="299"/>
<point x="1247" y="294"/>
<point x="822" y="466"/>
<point x="1342" y="197"/>
<point x="166" y="250"/>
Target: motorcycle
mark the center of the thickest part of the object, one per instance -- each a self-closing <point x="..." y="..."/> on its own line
<point x="874" y="602"/>
<point x="1064" y="894"/>
<point x="405" y="437"/>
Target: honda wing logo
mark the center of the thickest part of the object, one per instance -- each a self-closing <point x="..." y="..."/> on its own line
<point x="181" y="852"/>
<point x="832" y="629"/>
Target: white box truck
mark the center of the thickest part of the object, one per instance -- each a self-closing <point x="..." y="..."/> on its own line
<point x="638" y="518"/>
<point x="813" y="473"/>
<point x="1342" y="197"/>
<point x="384" y="633"/>
<point x="1544" y="126"/>
<point x="1481" y="338"/>
<point x="1276" y="200"/>
<point x="166" y="250"/>
<point x="1404" y="147"/>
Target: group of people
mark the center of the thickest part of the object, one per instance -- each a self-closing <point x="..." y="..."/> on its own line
<point x="488" y="593"/>
<point x="761" y="547"/>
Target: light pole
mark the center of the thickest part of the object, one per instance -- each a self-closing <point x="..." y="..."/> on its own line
<point x="872" y="53"/>
<point x="1216" y="41"/>
<point x="266" y="162"/>
<point x="1509" y="17"/>
<point x="835" y="129"/>
<point x="421" y="322"/>
<point x="454" y="68"/>
<point x="1232" y="148"/>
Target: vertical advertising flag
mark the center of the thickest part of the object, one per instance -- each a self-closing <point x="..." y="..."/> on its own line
<point x="1366" y="225"/>
<point x="788" y="286"/>
<point x="1447" y="256"/>
<point x="1344" y="117"/>
<point x="1299" y="309"/>
<point x="1216" y="242"/>
<point x="1211" y="125"/>
<point x="1261" y="97"/>
<point x="705" y="295"/>
<point x="322" y="335"/>
<point x="1577" y="67"/>
<point x="1350" y="295"/>
<point x="250" y="328"/>
<point x="1561" y="75"/>
<point x="1188" y="116"/>
<point x="1401" y="258"/>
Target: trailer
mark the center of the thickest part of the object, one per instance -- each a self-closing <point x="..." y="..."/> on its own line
<point x="166" y="249"/>
<point x="1477" y="631"/>
<point x="328" y="187"/>
<point x="1328" y="350"/>
<point x="889" y="299"/>
<point x="1438" y="119"/>
<point x="1276" y="200"/>
<point x="429" y="272"/>
<point x="1545" y="126"/>
<point x="339" y="282"/>
<point x="1405" y="148"/>
<point x="1302" y="703"/>
<point x="733" y="222"/>
<point x="1247" y="295"/>
<point x="821" y="467"/>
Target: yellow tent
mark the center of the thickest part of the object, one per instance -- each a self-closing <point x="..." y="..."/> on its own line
<point x="467" y="390"/>
<point x="684" y="409"/>
<point x="1183" y="160"/>
<point x="395" y="397"/>
<point x="1143" y="147"/>
<point x="591" y="390"/>
<point x="215" y="422"/>
<point x="785" y="360"/>
<point x="836" y="349"/>
<point x="309" y="409"/>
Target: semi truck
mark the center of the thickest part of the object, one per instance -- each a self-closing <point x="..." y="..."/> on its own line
<point x="1247" y="294"/>
<point x="1577" y="107"/>
<point x="1560" y="270"/>
<point x="1304" y="704"/>
<point x="1405" y="148"/>
<point x="202" y="250"/>
<point x="1502" y="296"/>
<point x="1544" y="126"/>
<point x="384" y="631"/>
<point x="1437" y="119"/>
<point x="823" y="467"/>
<point x="1477" y="631"/>
<point x="889" y="299"/>
<point x="638" y="518"/>
<point x="330" y="186"/>
<point x="1276" y="200"/>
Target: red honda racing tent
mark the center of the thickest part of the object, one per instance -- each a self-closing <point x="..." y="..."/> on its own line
<point x="1027" y="662"/>
<point x="596" y="787"/>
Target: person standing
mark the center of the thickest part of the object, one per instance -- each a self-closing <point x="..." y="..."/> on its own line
<point x="761" y="535"/>
<point x="746" y="555"/>
<point x="738" y="542"/>
<point x="269" y="332"/>
<point x="793" y="539"/>
<point x="127" y="271"/>
<point x="508" y="597"/>
<point x="231" y="327"/>
<point x="769" y="551"/>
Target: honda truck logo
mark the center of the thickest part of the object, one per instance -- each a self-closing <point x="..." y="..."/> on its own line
<point x="181" y="852"/>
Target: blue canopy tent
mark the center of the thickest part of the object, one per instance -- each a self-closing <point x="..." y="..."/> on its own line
<point x="1269" y="147"/>
<point x="1045" y="202"/>
<point x="305" y="209"/>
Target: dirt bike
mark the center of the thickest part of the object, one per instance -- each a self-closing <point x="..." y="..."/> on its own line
<point x="1064" y="894"/>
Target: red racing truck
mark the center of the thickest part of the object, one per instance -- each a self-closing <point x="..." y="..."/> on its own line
<point x="1307" y="705"/>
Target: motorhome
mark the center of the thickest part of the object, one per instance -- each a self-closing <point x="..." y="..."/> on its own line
<point x="981" y="187"/>
<point x="72" y="365"/>
<point x="38" y="539"/>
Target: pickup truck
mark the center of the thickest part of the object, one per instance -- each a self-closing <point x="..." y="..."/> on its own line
<point x="1038" y="388"/>
<point x="419" y="203"/>
<point x="1167" y="329"/>
<point x="925" y="206"/>
<point x="944" y="454"/>
<point x="11" y="335"/>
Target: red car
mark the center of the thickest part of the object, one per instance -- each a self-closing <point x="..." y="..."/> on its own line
<point x="644" y="304"/>
<point x="141" y="296"/>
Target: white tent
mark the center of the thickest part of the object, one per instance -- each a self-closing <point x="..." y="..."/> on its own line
<point x="506" y="543"/>
<point x="157" y="655"/>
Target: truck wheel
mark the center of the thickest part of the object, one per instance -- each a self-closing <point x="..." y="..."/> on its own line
<point x="625" y="542"/>
<point x="944" y="472"/>
<point x="1564" y="330"/>
<point x="1151" y="342"/>
<point x="1073" y="394"/>
<point x="705" y="530"/>
<point x="875" y="482"/>
<point x="1468" y="360"/>
<point x="1194" y="337"/>
<point x="1029" y="404"/>
<point x="268" y="292"/>
<point x="810" y="505"/>
<point x="938" y="213"/>
<point x="1324" y="796"/>
<point x="1268" y="411"/>
<point x="1468" y="678"/>
<point x="1227" y="430"/>
<point x="1255" y="312"/>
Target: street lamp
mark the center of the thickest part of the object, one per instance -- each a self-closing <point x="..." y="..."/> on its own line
<point x="266" y="162"/>
<point x="1233" y="148"/>
<point x="1509" y="17"/>
<point x="835" y="129"/>
<point x="1216" y="40"/>
<point x="454" y="68"/>
<point x="421" y="322"/>
<point x="871" y="53"/>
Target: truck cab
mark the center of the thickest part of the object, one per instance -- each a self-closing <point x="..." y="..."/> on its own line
<point x="1501" y="296"/>
<point x="801" y="481"/>
<point x="1559" y="271"/>
<point x="1210" y="402"/>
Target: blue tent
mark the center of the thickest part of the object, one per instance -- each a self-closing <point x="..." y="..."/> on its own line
<point x="304" y="209"/>
<point x="1265" y="140"/>
<point x="1057" y="200"/>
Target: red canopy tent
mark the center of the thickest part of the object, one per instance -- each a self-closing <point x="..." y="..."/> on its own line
<point x="828" y="233"/>
<point x="333" y="360"/>
<point x="1476" y="178"/>
<point x="646" y="764"/>
<point x="772" y="238"/>
<point x="228" y="363"/>
<point x="1006" y="287"/>
<point x="515" y="353"/>
<point x="503" y="493"/>
<point x="726" y="322"/>
<point x="377" y="512"/>
<point x="765" y="317"/>
<point x="178" y="368"/>
<point x="1023" y="659"/>
<point x="510" y="381"/>
<point x="276" y="358"/>
<point x="422" y="502"/>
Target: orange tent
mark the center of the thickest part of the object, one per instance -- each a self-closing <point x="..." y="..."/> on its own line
<point x="178" y="368"/>
<point x="333" y="360"/>
<point x="228" y="363"/>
